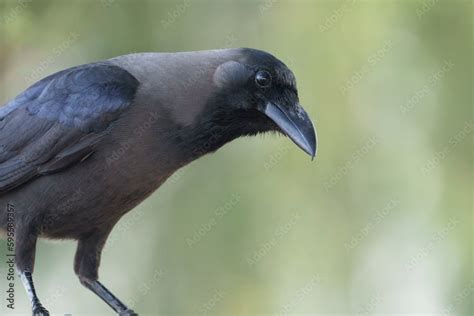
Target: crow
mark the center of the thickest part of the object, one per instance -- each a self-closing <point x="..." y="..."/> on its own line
<point x="84" y="146"/>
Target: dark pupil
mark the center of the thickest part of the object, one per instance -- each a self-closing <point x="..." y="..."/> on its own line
<point x="263" y="79"/>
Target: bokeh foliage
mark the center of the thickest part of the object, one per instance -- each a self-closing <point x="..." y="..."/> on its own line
<point x="380" y="223"/>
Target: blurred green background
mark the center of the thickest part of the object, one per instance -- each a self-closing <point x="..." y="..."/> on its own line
<point x="380" y="223"/>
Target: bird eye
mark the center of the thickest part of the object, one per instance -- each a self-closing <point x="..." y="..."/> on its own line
<point x="263" y="79"/>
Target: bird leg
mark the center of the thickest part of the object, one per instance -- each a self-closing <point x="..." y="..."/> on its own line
<point x="38" y="309"/>
<point x="25" y="248"/>
<point x="86" y="266"/>
<point x="108" y="297"/>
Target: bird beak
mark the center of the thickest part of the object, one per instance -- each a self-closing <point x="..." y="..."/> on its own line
<point x="296" y="125"/>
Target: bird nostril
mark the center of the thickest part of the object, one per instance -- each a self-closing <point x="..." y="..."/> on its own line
<point x="300" y="112"/>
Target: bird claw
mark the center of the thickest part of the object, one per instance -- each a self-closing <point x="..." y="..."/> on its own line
<point x="39" y="310"/>
<point x="128" y="312"/>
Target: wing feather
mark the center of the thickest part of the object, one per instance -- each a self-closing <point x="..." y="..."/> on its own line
<point x="57" y="122"/>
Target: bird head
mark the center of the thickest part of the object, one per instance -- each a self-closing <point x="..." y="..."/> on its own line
<point x="257" y="93"/>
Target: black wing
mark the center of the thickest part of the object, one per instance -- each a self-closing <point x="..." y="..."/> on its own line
<point x="56" y="122"/>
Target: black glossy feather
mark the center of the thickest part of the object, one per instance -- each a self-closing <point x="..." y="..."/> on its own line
<point x="57" y="121"/>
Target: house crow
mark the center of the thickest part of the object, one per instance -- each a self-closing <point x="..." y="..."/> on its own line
<point x="84" y="146"/>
